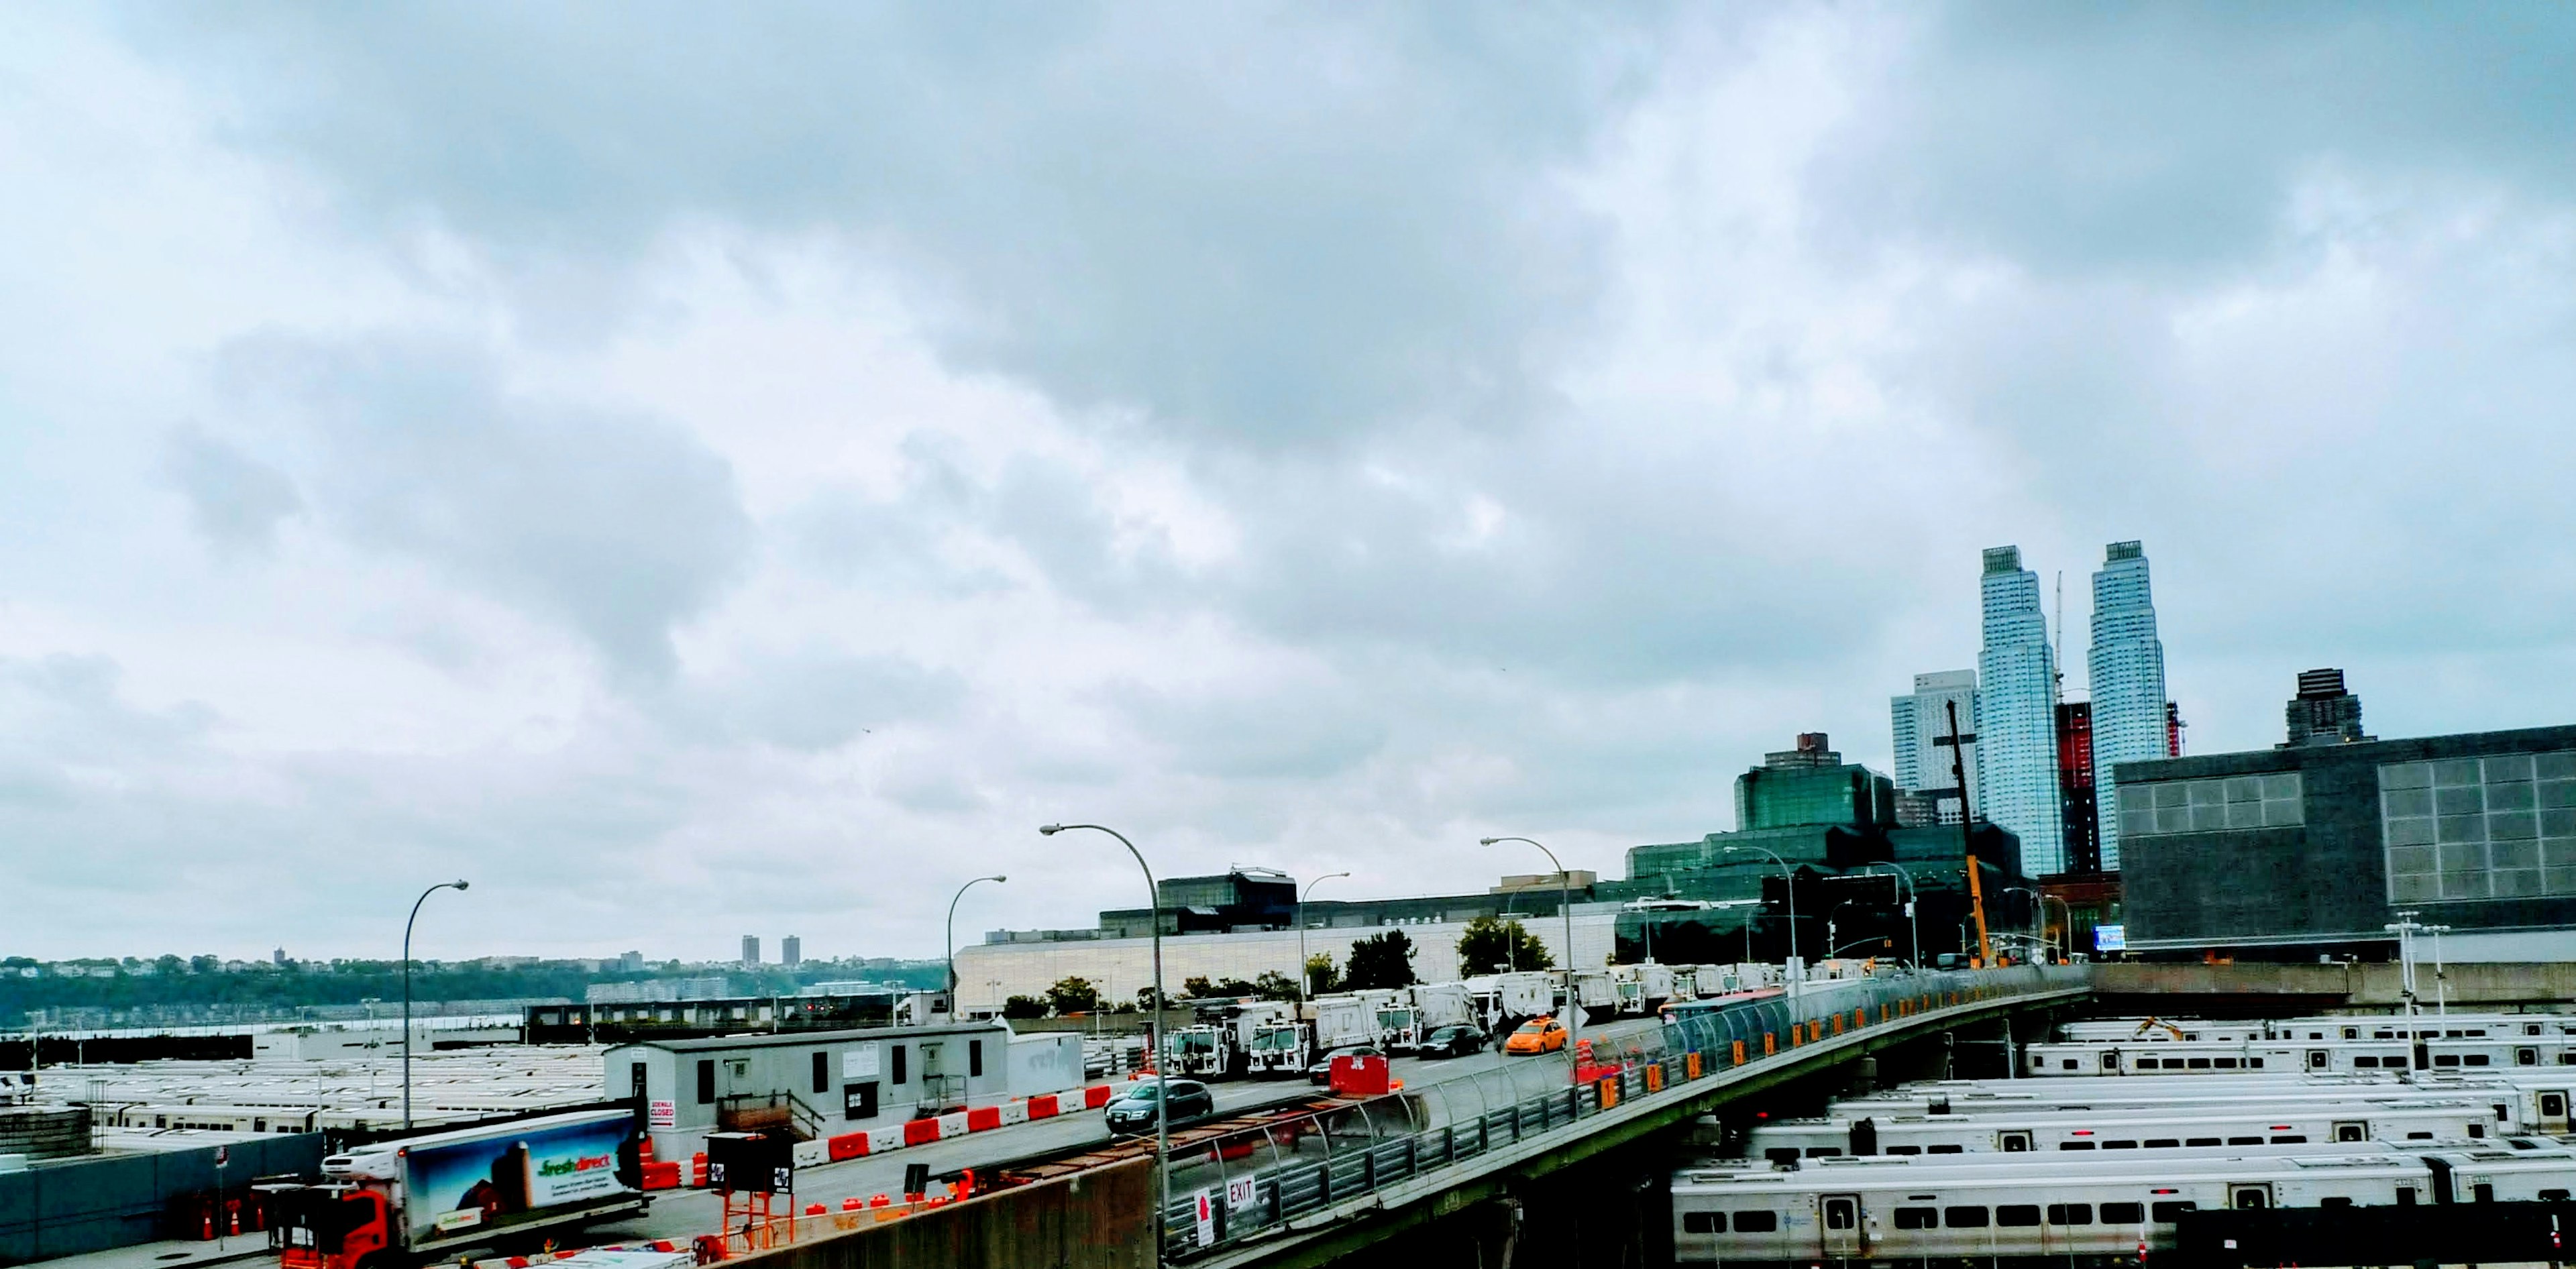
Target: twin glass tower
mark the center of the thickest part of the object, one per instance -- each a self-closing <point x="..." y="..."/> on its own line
<point x="2017" y="761"/>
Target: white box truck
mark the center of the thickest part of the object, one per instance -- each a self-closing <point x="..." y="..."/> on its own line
<point x="424" y="1198"/>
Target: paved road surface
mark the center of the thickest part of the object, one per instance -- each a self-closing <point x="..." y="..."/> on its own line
<point x="686" y="1213"/>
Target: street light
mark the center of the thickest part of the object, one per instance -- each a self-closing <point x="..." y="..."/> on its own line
<point x="1913" y="922"/>
<point x="1302" y="896"/>
<point x="1565" y="906"/>
<point x="949" y="979"/>
<point x="2039" y="916"/>
<point x="407" y="922"/>
<point x="1162" y="1075"/>
<point x="1788" y="878"/>
<point x="1833" y="932"/>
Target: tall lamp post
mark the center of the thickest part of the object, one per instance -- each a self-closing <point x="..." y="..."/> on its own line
<point x="2039" y="916"/>
<point x="1162" y="1075"/>
<point x="1302" y="897"/>
<point x="1913" y="922"/>
<point x="949" y="979"/>
<point x="407" y="923"/>
<point x="1787" y="878"/>
<point x="1565" y="906"/>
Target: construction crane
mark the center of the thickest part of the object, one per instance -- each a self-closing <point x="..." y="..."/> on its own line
<point x="1967" y="831"/>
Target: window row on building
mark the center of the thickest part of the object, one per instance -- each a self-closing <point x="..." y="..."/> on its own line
<point x="2497" y="827"/>
<point x="2212" y="805"/>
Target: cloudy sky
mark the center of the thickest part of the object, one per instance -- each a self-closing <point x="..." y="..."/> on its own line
<point x="697" y="471"/>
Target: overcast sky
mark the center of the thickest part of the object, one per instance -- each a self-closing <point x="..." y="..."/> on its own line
<point x="704" y="470"/>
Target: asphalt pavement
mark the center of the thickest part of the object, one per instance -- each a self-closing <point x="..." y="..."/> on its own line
<point x="682" y="1214"/>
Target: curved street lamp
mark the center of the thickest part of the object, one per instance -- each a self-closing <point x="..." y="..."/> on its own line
<point x="1913" y="921"/>
<point x="1302" y="896"/>
<point x="1787" y="878"/>
<point x="950" y="979"/>
<point x="458" y="885"/>
<point x="1565" y="906"/>
<point x="1162" y="1075"/>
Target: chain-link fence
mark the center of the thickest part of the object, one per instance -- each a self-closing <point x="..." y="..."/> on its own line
<point x="1230" y="1188"/>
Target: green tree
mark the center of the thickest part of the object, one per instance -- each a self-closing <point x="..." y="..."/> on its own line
<point x="1320" y="977"/>
<point x="1273" y="985"/>
<point x="1385" y="960"/>
<point x="1073" y="995"/>
<point x="1198" y="987"/>
<point x="1024" y="1007"/>
<point x="1490" y="945"/>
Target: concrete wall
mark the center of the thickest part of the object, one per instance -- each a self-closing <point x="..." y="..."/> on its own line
<point x="1096" y="1220"/>
<point x="2359" y="986"/>
<point x="86" y="1205"/>
<point x="1122" y="967"/>
<point x="1045" y="1063"/>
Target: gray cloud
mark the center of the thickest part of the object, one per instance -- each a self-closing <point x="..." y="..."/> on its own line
<point x="620" y="526"/>
<point x="1298" y="435"/>
<point x="1275" y="227"/>
<point x="235" y="500"/>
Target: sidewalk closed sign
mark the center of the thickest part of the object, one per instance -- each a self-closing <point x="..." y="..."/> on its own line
<point x="1203" y="1209"/>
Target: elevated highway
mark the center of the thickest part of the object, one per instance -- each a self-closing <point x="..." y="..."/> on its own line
<point x="1375" y="1169"/>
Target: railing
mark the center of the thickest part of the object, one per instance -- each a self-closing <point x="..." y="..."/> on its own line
<point x="1257" y="1180"/>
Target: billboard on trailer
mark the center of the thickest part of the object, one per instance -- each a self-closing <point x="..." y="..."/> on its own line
<point x="517" y="1172"/>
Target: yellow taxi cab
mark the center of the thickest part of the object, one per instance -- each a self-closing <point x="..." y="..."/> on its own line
<point x="1538" y="1035"/>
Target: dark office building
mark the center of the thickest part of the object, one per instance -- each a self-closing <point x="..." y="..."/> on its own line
<point x="2313" y="848"/>
<point x="2323" y="713"/>
<point x="1243" y="899"/>
<point x="2075" y="786"/>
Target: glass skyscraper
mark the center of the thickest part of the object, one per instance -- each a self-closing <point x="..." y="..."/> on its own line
<point x="2017" y="715"/>
<point x="1920" y="722"/>
<point x="2128" y="682"/>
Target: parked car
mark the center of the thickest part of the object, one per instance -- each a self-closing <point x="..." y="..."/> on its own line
<point x="1538" y="1035"/>
<point x="1452" y="1041"/>
<point x="1322" y="1071"/>
<point x="1133" y="1110"/>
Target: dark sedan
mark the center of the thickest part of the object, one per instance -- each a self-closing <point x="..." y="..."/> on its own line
<point x="1322" y="1071"/>
<point x="1456" y="1041"/>
<point x="1133" y="1111"/>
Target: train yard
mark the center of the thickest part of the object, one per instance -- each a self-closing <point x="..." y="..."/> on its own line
<point x="2121" y="1140"/>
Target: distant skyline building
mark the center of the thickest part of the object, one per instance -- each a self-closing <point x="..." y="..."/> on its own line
<point x="1921" y="723"/>
<point x="791" y="951"/>
<point x="2126" y="677"/>
<point x="1811" y="785"/>
<point x="751" y="949"/>
<point x="2323" y="713"/>
<point x="2017" y="714"/>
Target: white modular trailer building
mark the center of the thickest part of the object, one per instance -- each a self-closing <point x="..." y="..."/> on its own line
<point x="827" y="1082"/>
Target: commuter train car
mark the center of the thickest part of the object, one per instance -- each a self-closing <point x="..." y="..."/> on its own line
<point x="2063" y="1209"/>
<point x="2321" y="1027"/>
<point x="2080" y="1058"/>
<point x="2124" y="1128"/>
<point x="2522" y="1100"/>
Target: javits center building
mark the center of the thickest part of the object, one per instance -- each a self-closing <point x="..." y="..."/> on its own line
<point x="2313" y="848"/>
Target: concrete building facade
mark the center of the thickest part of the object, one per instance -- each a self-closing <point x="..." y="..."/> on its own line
<point x="993" y="971"/>
<point x="2315" y="848"/>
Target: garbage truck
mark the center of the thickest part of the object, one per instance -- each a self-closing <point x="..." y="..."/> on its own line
<point x="416" y="1199"/>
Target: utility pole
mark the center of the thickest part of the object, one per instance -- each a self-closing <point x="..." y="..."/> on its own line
<point x="1967" y="828"/>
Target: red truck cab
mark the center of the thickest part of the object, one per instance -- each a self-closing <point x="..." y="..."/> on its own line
<point x="327" y="1226"/>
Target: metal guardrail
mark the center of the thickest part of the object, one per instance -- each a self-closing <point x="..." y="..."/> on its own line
<point x="1247" y="1184"/>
